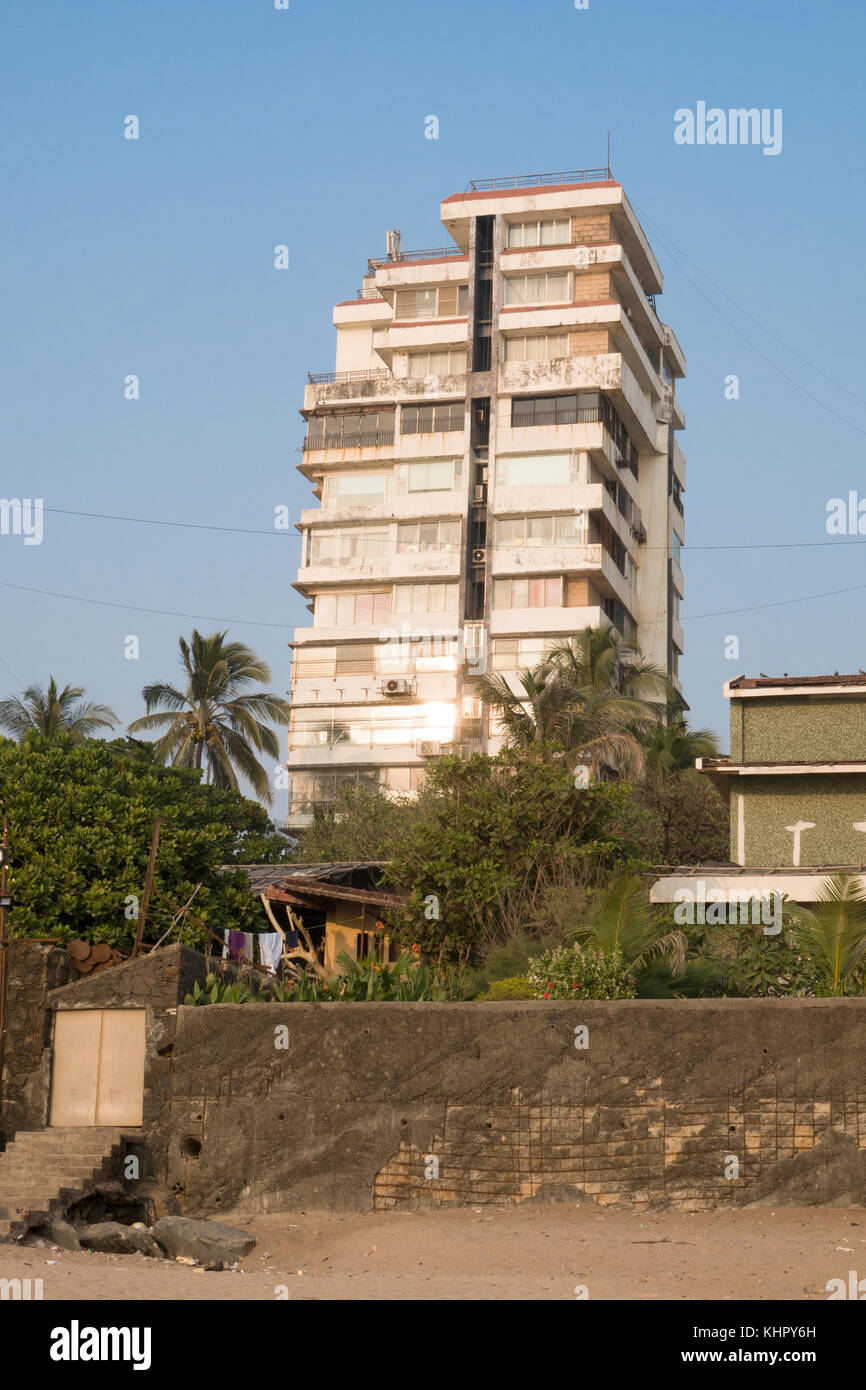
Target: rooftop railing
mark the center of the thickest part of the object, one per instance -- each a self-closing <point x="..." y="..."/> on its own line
<point x="541" y="180"/>
<point x="329" y="378"/>
<point x="434" y="253"/>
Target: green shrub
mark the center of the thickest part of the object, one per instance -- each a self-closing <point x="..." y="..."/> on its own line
<point x="575" y="972"/>
<point x="517" y="987"/>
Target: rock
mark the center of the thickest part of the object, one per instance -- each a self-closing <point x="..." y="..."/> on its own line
<point x="111" y="1238"/>
<point x="209" y="1242"/>
<point x="61" y="1233"/>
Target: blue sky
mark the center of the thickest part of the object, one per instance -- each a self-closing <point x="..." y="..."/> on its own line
<point x="306" y="127"/>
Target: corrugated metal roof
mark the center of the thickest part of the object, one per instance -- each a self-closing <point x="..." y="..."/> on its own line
<point x="261" y="876"/>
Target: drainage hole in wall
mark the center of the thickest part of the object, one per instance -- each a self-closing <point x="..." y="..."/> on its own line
<point x="282" y="1117"/>
<point x="404" y="1122"/>
<point x="190" y="1147"/>
<point x="177" y="1188"/>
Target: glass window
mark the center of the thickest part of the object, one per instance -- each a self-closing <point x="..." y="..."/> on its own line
<point x="414" y="537"/>
<point x="539" y="592"/>
<point x="539" y="530"/>
<point x="425" y="306"/>
<point x="546" y="232"/>
<point x="546" y="470"/>
<point x="550" y="288"/>
<point x="427" y="419"/>
<point x="431" y="477"/>
<point x="356" y="490"/>
<point x="352" y="610"/>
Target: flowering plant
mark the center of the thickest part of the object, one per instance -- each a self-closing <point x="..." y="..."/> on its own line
<point x="579" y="972"/>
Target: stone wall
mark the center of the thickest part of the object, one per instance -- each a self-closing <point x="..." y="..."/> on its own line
<point x="358" y="1107"/>
<point x="34" y="968"/>
<point x="353" y="1112"/>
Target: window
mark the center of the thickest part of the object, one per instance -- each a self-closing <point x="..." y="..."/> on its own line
<point x="401" y="656"/>
<point x="537" y="470"/>
<point x="536" y="347"/>
<point x="356" y="489"/>
<point x="432" y="419"/>
<point x="313" y="663"/>
<point x="414" y="537"/>
<point x="546" y="231"/>
<point x="425" y="598"/>
<point x="353" y="430"/>
<point x="586" y="408"/>
<point x="541" y="530"/>
<point x="431" y="477"/>
<point x="446" y="301"/>
<point x="676" y="547"/>
<point x="364" y="609"/>
<point x="528" y="593"/>
<point x="445" y="363"/>
<point x="553" y="287"/>
<point x="675" y="604"/>
<point x="355" y="659"/>
<point x="518" y="653"/>
<point x="356" y="546"/>
<point x="677" y="493"/>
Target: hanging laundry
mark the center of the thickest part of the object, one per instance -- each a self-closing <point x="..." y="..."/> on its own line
<point x="270" y="949"/>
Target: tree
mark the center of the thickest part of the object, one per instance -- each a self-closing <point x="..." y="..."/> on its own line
<point x="361" y="824"/>
<point x="832" y="934"/>
<point x="493" y="840"/>
<point x="538" y="717"/>
<point x="55" y="712"/>
<point x="672" y="746"/>
<point x="588" y="700"/>
<point x="80" y="823"/>
<point x="213" y="721"/>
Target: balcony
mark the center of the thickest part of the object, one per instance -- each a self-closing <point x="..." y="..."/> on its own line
<point x="391" y="565"/>
<point x="366" y="439"/>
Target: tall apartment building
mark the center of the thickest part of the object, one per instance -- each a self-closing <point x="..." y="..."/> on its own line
<point x="496" y="468"/>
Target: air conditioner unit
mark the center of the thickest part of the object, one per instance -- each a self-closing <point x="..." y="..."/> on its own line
<point x="479" y="555"/>
<point x="480" y="491"/>
<point x="429" y="748"/>
<point x="396" y="686"/>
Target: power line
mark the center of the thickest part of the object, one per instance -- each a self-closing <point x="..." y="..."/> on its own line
<point x="132" y="608"/>
<point x="764" y="329"/>
<point x="776" y="368"/>
<point x="184" y="525"/>
<point x="779" y="603"/>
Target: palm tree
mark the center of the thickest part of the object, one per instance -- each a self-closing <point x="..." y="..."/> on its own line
<point x="623" y="918"/>
<point x="213" y="721"/>
<point x="671" y="746"/>
<point x="537" y="718"/>
<point x="55" y="712"/>
<point x="832" y="933"/>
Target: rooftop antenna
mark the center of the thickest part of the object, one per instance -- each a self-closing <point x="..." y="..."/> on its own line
<point x="392" y="243"/>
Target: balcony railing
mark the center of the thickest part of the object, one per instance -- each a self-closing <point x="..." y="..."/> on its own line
<point x="430" y="253"/>
<point x="541" y="180"/>
<point x="369" y="440"/>
<point x="584" y="415"/>
<point x="329" y="378"/>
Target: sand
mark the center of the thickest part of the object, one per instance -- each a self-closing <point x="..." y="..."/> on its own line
<point x="489" y="1253"/>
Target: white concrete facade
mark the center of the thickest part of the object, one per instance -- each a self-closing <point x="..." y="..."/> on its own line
<point x="495" y="463"/>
